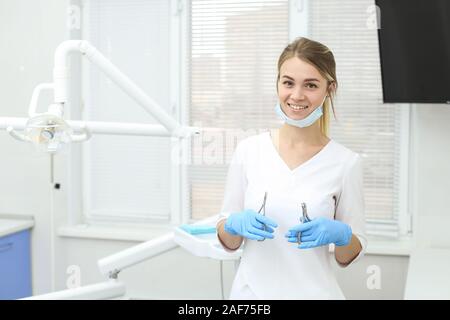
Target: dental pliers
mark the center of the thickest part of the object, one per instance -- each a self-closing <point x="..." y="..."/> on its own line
<point x="303" y="218"/>
<point x="262" y="211"/>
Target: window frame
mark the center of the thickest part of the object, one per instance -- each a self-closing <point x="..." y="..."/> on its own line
<point x="76" y="158"/>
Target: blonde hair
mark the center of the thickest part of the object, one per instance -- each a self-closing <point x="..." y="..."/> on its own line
<point x="320" y="57"/>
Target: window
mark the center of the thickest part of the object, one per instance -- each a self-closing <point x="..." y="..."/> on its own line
<point x="234" y="50"/>
<point x="126" y="177"/>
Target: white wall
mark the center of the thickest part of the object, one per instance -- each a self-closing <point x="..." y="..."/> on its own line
<point x="29" y="33"/>
<point x="431" y="135"/>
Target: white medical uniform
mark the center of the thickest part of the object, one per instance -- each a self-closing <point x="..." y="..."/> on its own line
<point x="330" y="183"/>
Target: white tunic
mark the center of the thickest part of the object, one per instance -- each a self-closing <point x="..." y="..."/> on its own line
<point x="330" y="183"/>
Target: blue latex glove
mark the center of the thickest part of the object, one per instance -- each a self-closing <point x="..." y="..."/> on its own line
<point x="250" y="224"/>
<point x="319" y="232"/>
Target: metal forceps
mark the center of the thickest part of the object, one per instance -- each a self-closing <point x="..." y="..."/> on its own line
<point x="262" y="211"/>
<point x="303" y="218"/>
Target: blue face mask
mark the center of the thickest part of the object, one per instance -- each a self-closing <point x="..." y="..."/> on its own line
<point x="302" y="123"/>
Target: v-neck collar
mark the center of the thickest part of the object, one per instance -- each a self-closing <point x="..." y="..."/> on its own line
<point x="280" y="159"/>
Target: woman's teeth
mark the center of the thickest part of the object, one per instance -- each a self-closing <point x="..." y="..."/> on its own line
<point x="297" y="107"/>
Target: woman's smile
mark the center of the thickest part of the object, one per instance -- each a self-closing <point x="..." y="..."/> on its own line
<point x="297" y="107"/>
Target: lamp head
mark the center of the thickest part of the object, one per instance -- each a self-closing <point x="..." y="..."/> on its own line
<point x="48" y="132"/>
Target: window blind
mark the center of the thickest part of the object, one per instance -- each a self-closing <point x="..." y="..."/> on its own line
<point x="364" y="123"/>
<point x="126" y="176"/>
<point x="234" y="47"/>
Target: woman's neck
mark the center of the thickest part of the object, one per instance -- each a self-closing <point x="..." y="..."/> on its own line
<point x="295" y="136"/>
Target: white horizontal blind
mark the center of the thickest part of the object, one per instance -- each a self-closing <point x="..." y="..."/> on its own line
<point x="365" y="124"/>
<point x="233" y="68"/>
<point x="126" y="177"/>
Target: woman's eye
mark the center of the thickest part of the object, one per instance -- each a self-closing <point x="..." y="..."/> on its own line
<point x="311" y="85"/>
<point x="288" y="83"/>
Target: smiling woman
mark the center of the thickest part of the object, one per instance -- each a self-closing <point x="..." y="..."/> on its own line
<point x="294" y="167"/>
<point x="307" y="81"/>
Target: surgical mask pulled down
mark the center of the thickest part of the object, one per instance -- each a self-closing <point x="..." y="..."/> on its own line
<point x="301" y="123"/>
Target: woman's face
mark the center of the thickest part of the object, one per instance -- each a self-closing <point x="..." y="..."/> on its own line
<point x="301" y="88"/>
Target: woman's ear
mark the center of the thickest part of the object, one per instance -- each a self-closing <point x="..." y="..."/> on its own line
<point x="332" y="88"/>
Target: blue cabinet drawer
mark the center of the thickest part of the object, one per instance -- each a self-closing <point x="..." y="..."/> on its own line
<point x="15" y="265"/>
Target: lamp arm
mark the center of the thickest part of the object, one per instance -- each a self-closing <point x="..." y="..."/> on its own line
<point x="83" y="136"/>
<point x="17" y="135"/>
<point x="61" y="76"/>
<point x="35" y="96"/>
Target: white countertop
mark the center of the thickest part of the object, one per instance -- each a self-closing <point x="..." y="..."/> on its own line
<point x="12" y="225"/>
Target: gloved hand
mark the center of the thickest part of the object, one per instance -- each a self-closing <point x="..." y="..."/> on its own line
<point x="319" y="232"/>
<point x="250" y="224"/>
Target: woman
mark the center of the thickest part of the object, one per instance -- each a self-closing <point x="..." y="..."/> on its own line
<point x="294" y="171"/>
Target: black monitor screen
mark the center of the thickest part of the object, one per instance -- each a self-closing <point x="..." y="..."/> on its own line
<point x="414" y="40"/>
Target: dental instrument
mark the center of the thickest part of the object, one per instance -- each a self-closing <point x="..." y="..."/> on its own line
<point x="303" y="218"/>
<point x="262" y="211"/>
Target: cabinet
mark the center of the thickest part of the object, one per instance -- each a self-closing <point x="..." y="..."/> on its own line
<point x="15" y="264"/>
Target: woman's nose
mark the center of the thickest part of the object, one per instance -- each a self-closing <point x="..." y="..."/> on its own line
<point x="297" y="94"/>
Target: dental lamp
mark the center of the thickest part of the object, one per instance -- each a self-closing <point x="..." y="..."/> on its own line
<point x="49" y="132"/>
